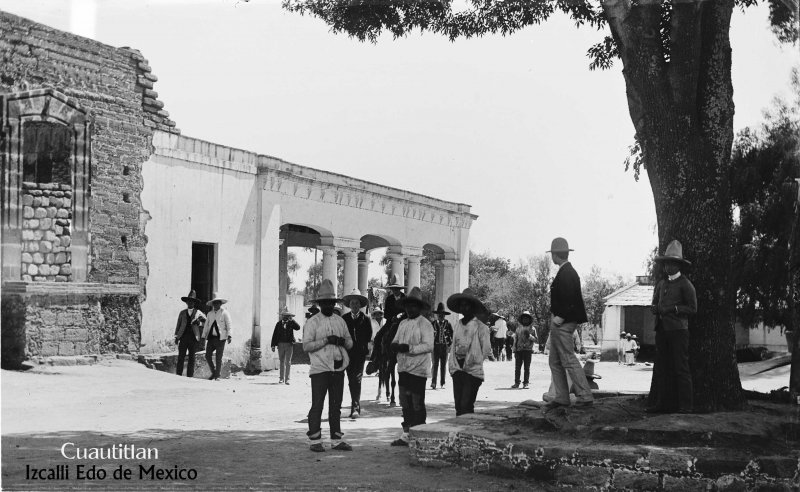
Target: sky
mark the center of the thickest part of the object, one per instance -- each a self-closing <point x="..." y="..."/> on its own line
<point x="518" y="127"/>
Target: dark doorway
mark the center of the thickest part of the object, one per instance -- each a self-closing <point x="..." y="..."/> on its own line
<point x="203" y="270"/>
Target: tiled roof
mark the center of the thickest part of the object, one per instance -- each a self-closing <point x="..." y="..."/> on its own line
<point x="631" y="295"/>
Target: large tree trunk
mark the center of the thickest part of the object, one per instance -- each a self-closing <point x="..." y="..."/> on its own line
<point x="680" y="99"/>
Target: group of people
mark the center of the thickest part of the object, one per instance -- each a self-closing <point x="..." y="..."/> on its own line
<point x="419" y="348"/>
<point x="627" y="348"/>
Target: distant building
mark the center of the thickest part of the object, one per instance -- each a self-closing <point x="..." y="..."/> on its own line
<point x="628" y="310"/>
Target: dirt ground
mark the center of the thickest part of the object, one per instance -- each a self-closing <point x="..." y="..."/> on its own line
<point x="245" y="432"/>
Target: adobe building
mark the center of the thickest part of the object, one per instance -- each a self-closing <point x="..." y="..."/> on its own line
<point x="101" y="236"/>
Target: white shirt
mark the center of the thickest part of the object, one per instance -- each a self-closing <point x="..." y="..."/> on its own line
<point x="502" y="328"/>
<point x="418" y="334"/>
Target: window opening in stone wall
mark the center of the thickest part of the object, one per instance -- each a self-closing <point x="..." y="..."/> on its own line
<point x="47" y="148"/>
<point x="203" y="270"/>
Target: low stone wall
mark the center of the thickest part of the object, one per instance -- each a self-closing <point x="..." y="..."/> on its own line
<point x="518" y="442"/>
<point x="66" y="324"/>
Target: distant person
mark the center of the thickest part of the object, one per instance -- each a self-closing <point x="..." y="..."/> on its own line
<point x="442" y="339"/>
<point x="326" y="340"/>
<point x="283" y="340"/>
<point x="621" y="347"/>
<point x="472" y="345"/>
<point x="509" y="342"/>
<point x="630" y="347"/>
<point x="187" y="332"/>
<point x="499" y="336"/>
<point x="218" y="331"/>
<point x="523" y="348"/>
<point x="674" y="300"/>
<point x="360" y="328"/>
<point x="390" y="306"/>
<point x="567" y="308"/>
<point x="413" y="345"/>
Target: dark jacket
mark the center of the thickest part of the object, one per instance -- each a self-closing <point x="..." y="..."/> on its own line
<point x="442" y="331"/>
<point x="183" y="321"/>
<point x="284" y="333"/>
<point x="566" y="299"/>
<point x="360" y="329"/>
<point x="673" y="302"/>
<point x="391" y="309"/>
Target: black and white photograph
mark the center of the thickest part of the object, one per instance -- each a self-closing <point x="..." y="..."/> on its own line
<point x="400" y="245"/>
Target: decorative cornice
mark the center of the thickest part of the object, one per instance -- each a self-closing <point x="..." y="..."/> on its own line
<point x="286" y="178"/>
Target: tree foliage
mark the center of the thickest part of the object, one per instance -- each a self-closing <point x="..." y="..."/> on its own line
<point x="765" y="164"/>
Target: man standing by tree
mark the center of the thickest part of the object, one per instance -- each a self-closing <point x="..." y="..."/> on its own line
<point x="674" y="300"/>
<point x="566" y="304"/>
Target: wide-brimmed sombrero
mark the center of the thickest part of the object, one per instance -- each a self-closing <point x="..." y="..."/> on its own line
<point x="415" y="296"/>
<point x="216" y="298"/>
<point x="394" y="284"/>
<point x="454" y="300"/>
<point x="523" y="314"/>
<point x="356" y="294"/>
<point x="440" y="310"/>
<point x="674" y="252"/>
<point x="191" y="297"/>
<point x="326" y="292"/>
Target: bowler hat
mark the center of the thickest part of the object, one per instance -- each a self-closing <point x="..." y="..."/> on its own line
<point x="326" y="292"/>
<point x="415" y="296"/>
<point x="356" y="294"/>
<point x="440" y="310"/>
<point x="191" y="297"/>
<point x="559" y="245"/>
<point x="216" y="298"/>
<point x="674" y="252"/>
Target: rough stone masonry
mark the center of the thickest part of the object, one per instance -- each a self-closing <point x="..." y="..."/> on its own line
<point x="114" y="86"/>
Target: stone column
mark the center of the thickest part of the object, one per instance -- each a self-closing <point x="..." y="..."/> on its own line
<point x="283" y="272"/>
<point x="329" y="264"/>
<point x="413" y="272"/>
<point x="396" y="262"/>
<point x="363" y="272"/>
<point x="350" y="270"/>
<point x="438" y="269"/>
<point x="448" y="281"/>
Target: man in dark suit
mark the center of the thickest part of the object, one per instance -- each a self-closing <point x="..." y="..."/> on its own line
<point x="566" y="305"/>
<point x="187" y="332"/>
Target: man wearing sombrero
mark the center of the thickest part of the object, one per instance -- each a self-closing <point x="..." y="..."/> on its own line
<point x="413" y="345"/>
<point x="283" y="340"/>
<point x="674" y="300"/>
<point x="567" y="307"/>
<point x="326" y="340"/>
<point x="391" y="308"/>
<point x="442" y="339"/>
<point x="471" y="346"/>
<point x="187" y="332"/>
<point x="218" y="330"/>
<point x="360" y="329"/>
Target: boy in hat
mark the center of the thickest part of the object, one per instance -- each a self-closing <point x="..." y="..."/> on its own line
<point x="523" y="348"/>
<point x="413" y="345"/>
<point x="218" y="330"/>
<point x="674" y="300"/>
<point x="567" y="307"/>
<point x="326" y="340"/>
<point x="471" y="346"/>
<point x="187" y="332"/>
<point x="442" y="339"/>
<point x="360" y="329"/>
<point x="283" y="339"/>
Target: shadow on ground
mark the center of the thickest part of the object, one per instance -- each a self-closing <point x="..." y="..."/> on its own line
<point x="271" y="460"/>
